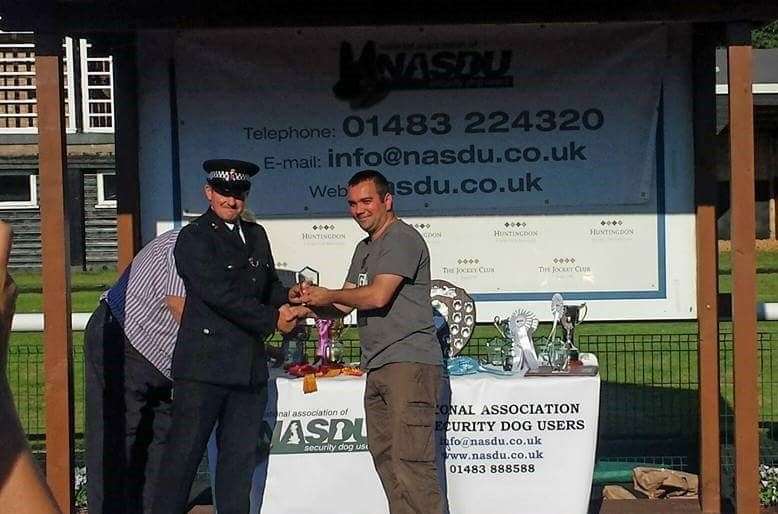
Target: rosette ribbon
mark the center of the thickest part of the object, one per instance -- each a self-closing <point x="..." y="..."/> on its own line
<point x="325" y="338"/>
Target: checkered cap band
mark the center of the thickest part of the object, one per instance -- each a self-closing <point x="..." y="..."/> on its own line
<point x="229" y="175"/>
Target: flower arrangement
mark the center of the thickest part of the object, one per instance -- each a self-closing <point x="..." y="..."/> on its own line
<point x="768" y="485"/>
<point x="80" y="483"/>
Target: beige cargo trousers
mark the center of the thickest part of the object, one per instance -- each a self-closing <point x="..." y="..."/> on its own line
<point x="401" y="402"/>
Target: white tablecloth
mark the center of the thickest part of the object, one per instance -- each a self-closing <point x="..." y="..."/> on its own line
<point x="509" y="445"/>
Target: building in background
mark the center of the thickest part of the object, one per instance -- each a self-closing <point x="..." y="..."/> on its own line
<point x="90" y="147"/>
<point x="765" y="91"/>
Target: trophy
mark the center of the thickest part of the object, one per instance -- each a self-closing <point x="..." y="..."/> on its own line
<point x="560" y="353"/>
<point x="513" y="350"/>
<point x="453" y="314"/>
<point x="574" y="314"/>
<point x="554" y="354"/>
<point x="329" y="348"/>
<point x="308" y="274"/>
<point x="293" y="344"/>
<point x="498" y="349"/>
<point x="522" y="325"/>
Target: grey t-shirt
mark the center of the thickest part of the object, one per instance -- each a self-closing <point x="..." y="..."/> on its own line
<point x="403" y="331"/>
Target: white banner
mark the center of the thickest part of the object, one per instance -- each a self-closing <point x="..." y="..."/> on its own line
<point x="460" y="119"/>
<point x="508" y="445"/>
<point x="532" y="159"/>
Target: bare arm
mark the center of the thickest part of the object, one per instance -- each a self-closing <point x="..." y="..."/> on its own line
<point x="23" y="489"/>
<point x="375" y="295"/>
<point x="330" y="311"/>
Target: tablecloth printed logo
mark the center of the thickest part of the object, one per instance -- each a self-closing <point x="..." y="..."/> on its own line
<point x="319" y="435"/>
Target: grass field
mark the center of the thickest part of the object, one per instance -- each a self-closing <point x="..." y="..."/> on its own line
<point x="86" y="289"/>
<point x="646" y="364"/>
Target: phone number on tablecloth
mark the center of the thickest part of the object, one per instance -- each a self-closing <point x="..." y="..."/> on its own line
<point x="475" y="469"/>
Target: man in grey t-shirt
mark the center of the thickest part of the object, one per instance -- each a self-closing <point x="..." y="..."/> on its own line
<point x="388" y="283"/>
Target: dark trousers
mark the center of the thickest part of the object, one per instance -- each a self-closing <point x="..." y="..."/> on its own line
<point x="400" y="407"/>
<point x="127" y="418"/>
<point x="196" y="408"/>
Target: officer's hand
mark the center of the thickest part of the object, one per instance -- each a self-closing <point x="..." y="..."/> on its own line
<point x="301" y="312"/>
<point x="288" y="316"/>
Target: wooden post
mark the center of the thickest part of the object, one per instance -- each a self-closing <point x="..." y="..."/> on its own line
<point x="742" y="201"/>
<point x="126" y="142"/>
<point x="772" y="170"/>
<point x="704" y="87"/>
<point x="771" y="203"/>
<point x="57" y="337"/>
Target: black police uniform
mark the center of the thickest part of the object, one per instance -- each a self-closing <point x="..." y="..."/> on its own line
<point x="219" y="367"/>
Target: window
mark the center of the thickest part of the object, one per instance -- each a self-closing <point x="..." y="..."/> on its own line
<point x="96" y="90"/>
<point x="106" y="190"/>
<point x="18" y="191"/>
<point x="18" y="109"/>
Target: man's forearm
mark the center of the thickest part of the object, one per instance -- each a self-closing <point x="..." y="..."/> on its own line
<point x="376" y="295"/>
<point x="360" y="298"/>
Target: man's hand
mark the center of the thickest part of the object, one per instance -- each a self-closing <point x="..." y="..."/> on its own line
<point x="317" y="296"/>
<point x="288" y="317"/>
<point x="296" y="292"/>
<point x="175" y="305"/>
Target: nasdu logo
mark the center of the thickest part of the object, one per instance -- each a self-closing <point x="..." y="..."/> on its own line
<point x="367" y="80"/>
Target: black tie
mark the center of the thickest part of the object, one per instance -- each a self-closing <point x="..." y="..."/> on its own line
<point x="236" y="230"/>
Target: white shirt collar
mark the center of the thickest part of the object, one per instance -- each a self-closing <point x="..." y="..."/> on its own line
<point x="240" y="229"/>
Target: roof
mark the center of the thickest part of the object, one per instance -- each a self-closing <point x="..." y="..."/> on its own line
<point x="121" y="16"/>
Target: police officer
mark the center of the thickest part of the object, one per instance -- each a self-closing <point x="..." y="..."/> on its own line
<point x="234" y="300"/>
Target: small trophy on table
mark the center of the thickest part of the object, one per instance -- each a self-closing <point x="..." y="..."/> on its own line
<point x="562" y="354"/>
<point x="293" y="344"/>
<point x="329" y="349"/>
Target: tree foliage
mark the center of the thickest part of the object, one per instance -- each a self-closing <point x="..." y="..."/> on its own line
<point x="767" y="36"/>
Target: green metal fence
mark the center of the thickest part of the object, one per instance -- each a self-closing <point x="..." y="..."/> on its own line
<point x="768" y="406"/>
<point x="27" y="380"/>
<point x="649" y="402"/>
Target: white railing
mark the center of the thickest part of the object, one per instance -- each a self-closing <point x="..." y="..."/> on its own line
<point x="34" y="322"/>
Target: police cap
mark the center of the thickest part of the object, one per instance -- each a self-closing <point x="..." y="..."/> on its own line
<point x="230" y="176"/>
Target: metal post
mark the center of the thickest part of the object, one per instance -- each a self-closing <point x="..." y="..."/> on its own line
<point x="743" y="201"/>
